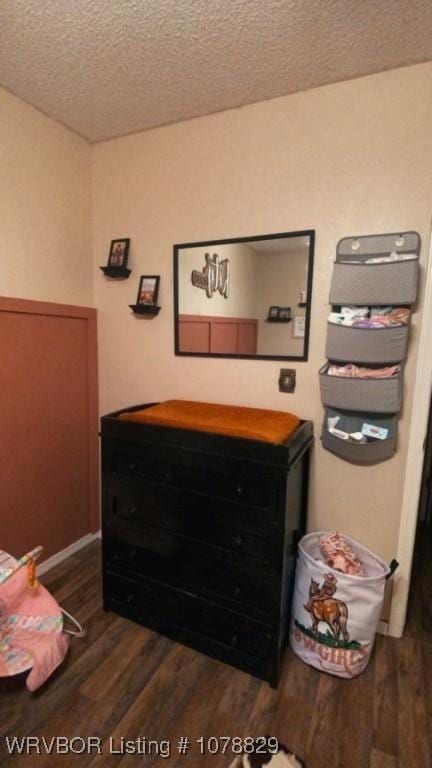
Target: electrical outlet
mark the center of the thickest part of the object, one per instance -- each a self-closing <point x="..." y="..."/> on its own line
<point x="287" y="380"/>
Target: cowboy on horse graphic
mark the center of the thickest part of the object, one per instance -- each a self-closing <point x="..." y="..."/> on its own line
<point x="324" y="607"/>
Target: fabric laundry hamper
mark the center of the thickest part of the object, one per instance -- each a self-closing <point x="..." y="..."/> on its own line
<point x="335" y="634"/>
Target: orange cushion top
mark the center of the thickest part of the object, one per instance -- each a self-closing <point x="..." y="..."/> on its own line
<point x="234" y="420"/>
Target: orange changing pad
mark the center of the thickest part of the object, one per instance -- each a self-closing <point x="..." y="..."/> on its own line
<point x="234" y="420"/>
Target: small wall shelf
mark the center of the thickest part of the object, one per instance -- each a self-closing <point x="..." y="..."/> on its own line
<point x="145" y="310"/>
<point x="278" y="319"/>
<point x="116" y="272"/>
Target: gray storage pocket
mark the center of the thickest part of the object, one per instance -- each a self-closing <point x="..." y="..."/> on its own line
<point x="374" y="284"/>
<point x="359" y="453"/>
<point x="369" y="246"/>
<point x="366" y="345"/>
<point x="352" y="394"/>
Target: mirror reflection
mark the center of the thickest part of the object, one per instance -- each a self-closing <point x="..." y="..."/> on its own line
<point x="244" y="297"/>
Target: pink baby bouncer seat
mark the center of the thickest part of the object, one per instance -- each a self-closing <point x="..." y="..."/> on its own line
<point x="32" y="635"/>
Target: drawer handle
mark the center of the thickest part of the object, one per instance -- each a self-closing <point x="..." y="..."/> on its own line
<point x="132" y="553"/>
<point x="239" y="540"/>
<point x="237" y="591"/>
<point x="131" y="512"/>
<point x="132" y="466"/>
<point x="130" y="599"/>
<point x="239" y="489"/>
<point x="234" y="640"/>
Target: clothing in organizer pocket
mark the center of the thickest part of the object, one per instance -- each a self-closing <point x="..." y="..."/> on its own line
<point x="357" y="372"/>
<point x="390" y="315"/>
<point x="391" y="257"/>
<point x="349" y="315"/>
<point x="370" y="317"/>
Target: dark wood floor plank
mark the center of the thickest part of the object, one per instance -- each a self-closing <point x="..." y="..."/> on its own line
<point x="263" y="711"/>
<point x="107" y="674"/>
<point x="199" y="714"/>
<point x="413" y="734"/>
<point x="356" y="716"/>
<point x="296" y="704"/>
<point x="75" y="602"/>
<point x="231" y="716"/>
<point x="56" y="576"/>
<point x="88" y="570"/>
<point x="379" y="759"/>
<point x="184" y="669"/>
<point x="287" y="712"/>
<point x="426" y="652"/>
<point x="157" y="707"/>
<point x="69" y="722"/>
<point x="322" y="747"/>
<point x="123" y="692"/>
<point x="385" y="723"/>
<point x="90" y="552"/>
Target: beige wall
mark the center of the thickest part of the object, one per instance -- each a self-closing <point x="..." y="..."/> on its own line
<point x="351" y="158"/>
<point x="45" y="207"/>
<point x="281" y="277"/>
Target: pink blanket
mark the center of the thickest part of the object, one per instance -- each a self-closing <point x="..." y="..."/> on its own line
<point x="356" y="372"/>
<point x="338" y="554"/>
<point x="31" y="631"/>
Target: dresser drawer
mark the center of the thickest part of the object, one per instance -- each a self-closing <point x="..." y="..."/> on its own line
<point x="169" y="610"/>
<point x="185" y="518"/>
<point x="189" y="470"/>
<point x="252" y="591"/>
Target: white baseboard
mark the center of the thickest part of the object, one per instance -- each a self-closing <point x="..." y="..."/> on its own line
<point x="46" y="565"/>
<point x="383" y="628"/>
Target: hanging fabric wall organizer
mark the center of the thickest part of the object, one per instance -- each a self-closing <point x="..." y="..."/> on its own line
<point x="373" y="287"/>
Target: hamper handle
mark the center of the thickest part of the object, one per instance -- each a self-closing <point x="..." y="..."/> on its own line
<point x="394" y="565"/>
<point x="79" y="632"/>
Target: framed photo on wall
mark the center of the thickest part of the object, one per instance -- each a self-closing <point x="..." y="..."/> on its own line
<point x="299" y="326"/>
<point x="148" y="289"/>
<point x="273" y="313"/>
<point x="284" y="313"/>
<point x="119" y="252"/>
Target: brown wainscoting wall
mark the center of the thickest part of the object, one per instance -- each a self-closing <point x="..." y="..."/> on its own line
<point x="49" y="465"/>
<point x="223" y="335"/>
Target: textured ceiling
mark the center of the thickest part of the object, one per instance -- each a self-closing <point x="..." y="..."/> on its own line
<point x="110" y="67"/>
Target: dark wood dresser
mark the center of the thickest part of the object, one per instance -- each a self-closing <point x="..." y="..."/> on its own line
<point x="200" y="533"/>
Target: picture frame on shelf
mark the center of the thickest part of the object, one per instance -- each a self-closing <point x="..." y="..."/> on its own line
<point x="273" y="313"/>
<point x="119" y="252"/>
<point x="148" y="290"/>
<point x="284" y="313"/>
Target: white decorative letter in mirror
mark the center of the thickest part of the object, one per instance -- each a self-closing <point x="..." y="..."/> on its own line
<point x="214" y="277"/>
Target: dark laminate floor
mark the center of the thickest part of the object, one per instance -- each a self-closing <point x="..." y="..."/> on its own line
<point x="123" y="680"/>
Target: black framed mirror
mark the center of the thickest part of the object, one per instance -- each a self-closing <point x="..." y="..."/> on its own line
<point x="245" y="297"/>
